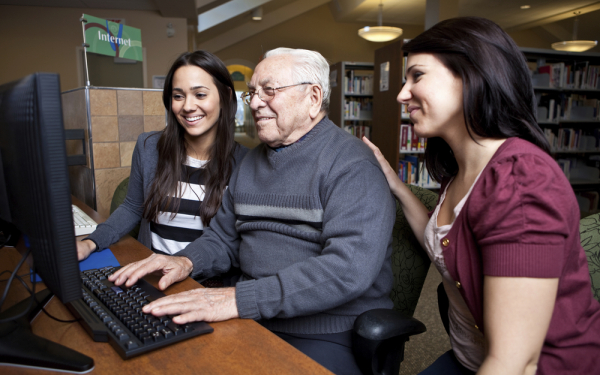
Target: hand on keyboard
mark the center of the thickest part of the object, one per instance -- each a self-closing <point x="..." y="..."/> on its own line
<point x="202" y="304"/>
<point x="174" y="269"/>
<point x="114" y="314"/>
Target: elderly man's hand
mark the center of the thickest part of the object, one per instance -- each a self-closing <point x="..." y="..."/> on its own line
<point x="202" y="304"/>
<point x="174" y="269"/>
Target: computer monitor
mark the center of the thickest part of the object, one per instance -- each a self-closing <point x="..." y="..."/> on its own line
<point x="35" y="198"/>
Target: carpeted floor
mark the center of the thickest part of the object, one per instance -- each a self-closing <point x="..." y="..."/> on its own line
<point x="425" y="348"/>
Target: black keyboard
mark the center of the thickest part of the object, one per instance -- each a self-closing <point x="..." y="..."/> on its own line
<point x="114" y="314"/>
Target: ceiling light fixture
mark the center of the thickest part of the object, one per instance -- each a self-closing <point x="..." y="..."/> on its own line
<point x="575" y="45"/>
<point x="525" y="6"/>
<point x="380" y="33"/>
<point x="257" y="14"/>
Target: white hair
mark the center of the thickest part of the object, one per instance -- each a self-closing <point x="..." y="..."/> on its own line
<point x="310" y="66"/>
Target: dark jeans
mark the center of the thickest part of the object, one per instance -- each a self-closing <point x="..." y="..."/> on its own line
<point x="332" y="351"/>
<point x="447" y="364"/>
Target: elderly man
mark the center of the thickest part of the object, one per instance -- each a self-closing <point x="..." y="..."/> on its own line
<point x="307" y="217"/>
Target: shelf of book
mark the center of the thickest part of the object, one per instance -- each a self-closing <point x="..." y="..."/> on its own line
<point x="567" y="90"/>
<point x="360" y="118"/>
<point x="584" y="182"/>
<point x="575" y="151"/>
<point x="351" y="101"/>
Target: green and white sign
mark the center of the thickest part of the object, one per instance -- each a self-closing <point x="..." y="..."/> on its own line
<point x="113" y="39"/>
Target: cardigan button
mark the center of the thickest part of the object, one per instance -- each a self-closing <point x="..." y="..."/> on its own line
<point x="458" y="284"/>
<point x="445" y="242"/>
<point x="476" y="326"/>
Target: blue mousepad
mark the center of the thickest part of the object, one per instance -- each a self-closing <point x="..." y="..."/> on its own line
<point x="97" y="259"/>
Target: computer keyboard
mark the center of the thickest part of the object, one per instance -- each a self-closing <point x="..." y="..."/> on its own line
<point x="114" y="314"/>
<point x="82" y="222"/>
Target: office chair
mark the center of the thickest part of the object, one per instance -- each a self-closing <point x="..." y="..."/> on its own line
<point x="589" y="231"/>
<point x="118" y="198"/>
<point x="380" y="334"/>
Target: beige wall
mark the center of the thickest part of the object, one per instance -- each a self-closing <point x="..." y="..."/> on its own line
<point x="45" y="39"/>
<point x="118" y="117"/>
<point x="315" y="30"/>
<point x="530" y="39"/>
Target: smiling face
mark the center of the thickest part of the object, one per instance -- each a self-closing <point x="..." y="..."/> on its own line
<point x="286" y="117"/>
<point x="196" y="105"/>
<point x="434" y="97"/>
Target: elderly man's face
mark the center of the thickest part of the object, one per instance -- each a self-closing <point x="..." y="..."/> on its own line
<point x="285" y="118"/>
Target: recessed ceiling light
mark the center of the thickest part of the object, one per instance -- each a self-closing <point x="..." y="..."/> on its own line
<point x="525" y="6"/>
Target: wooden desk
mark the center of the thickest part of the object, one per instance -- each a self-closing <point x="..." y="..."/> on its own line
<point x="237" y="346"/>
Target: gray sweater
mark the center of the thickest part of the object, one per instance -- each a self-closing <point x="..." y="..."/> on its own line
<point x="310" y="227"/>
<point x="129" y="213"/>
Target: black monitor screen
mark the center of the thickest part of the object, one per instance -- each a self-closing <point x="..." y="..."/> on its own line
<point x="34" y="179"/>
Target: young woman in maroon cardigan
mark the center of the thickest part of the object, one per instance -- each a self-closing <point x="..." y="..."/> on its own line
<point x="505" y="232"/>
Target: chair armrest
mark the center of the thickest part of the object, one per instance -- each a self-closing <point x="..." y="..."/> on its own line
<point x="378" y="340"/>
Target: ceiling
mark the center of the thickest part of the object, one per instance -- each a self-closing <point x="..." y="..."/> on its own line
<point x="234" y="23"/>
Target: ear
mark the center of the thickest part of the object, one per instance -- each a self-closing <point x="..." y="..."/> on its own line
<point x="316" y="99"/>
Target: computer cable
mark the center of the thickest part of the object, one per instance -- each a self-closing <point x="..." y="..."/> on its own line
<point x="10" y="279"/>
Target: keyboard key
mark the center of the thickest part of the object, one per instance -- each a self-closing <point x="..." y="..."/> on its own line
<point x="158" y="337"/>
<point x="175" y="328"/>
<point x="146" y="339"/>
<point x="167" y="333"/>
<point x="131" y="344"/>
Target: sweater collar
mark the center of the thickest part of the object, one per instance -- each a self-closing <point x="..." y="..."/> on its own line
<point x="277" y="149"/>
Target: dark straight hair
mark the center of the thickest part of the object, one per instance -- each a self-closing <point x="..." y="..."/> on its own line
<point x="498" y="98"/>
<point x="172" y="144"/>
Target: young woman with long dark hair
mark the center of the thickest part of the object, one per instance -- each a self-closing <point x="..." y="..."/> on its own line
<point x="505" y="232"/>
<point x="178" y="175"/>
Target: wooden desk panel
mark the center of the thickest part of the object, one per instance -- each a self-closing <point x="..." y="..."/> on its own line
<point x="237" y="346"/>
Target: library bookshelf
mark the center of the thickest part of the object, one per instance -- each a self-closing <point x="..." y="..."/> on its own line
<point x="351" y="101"/>
<point x="567" y="90"/>
<point x="392" y="131"/>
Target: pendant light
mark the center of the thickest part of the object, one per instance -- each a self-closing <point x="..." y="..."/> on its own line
<point x="575" y="45"/>
<point x="380" y="33"/>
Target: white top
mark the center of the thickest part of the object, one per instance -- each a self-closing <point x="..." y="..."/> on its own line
<point x="468" y="342"/>
<point x="172" y="234"/>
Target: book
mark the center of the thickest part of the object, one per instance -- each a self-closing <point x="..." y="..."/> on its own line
<point x="404" y="137"/>
<point x="414" y="142"/>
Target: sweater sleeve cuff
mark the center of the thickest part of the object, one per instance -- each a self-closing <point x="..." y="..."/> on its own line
<point x="523" y="260"/>
<point x="95" y="243"/>
<point x="196" y="258"/>
<point x="245" y="298"/>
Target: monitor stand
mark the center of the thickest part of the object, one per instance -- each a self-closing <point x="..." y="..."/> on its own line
<point x="20" y="347"/>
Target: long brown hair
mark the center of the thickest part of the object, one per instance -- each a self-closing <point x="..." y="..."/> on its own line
<point x="498" y="94"/>
<point x="172" y="144"/>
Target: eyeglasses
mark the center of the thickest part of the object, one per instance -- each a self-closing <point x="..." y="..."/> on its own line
<point x="268" y="93"/>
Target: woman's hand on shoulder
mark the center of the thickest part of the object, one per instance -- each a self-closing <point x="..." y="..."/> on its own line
<point x="390" y="174"/>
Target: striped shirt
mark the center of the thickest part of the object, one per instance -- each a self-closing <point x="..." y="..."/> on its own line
<point x="172" y="234"/>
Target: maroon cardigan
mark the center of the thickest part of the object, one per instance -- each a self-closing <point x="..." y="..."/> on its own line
<point x="522" y="220"/>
